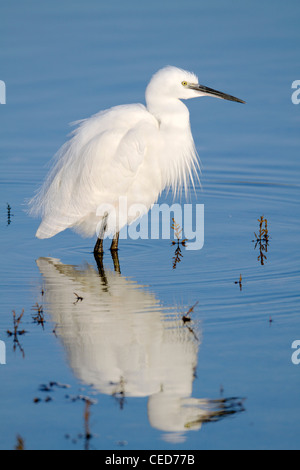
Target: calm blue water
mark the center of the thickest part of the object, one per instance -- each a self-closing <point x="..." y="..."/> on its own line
<point x="154" y="382"/>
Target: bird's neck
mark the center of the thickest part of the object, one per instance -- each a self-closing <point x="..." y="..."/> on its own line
<point x="179" y="156"/>
<point x="170" y="112"/>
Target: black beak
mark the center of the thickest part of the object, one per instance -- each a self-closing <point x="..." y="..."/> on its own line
<point x="218" y="94"/>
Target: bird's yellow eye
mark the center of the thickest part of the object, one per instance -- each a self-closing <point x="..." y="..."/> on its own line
<point x="184" y="83"/>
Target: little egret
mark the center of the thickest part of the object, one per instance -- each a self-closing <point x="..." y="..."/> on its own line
<point x="128" y="151"/>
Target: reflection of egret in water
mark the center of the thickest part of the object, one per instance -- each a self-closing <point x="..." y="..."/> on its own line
<point x="120" y="339"/>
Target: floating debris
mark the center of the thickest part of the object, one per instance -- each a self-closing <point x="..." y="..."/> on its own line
<point x="121" y="443"/>
<point x="49" y="387"/>
<point x="88" y="402"/>
<point x="39" y="400"/>
<point x="84" y="398"/>
<point x="45" y="388"/>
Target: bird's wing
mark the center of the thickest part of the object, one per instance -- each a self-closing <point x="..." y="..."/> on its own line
<point x="96" y="166"/>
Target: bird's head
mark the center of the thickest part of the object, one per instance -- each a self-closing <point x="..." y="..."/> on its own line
<point x="172" y="82"/>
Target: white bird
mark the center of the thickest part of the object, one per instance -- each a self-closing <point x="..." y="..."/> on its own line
<point x="129" y="151"/>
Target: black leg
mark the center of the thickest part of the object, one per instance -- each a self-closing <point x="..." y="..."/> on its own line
<point x="114" y="253"/>
<point x="115" y="258"/>
<point x="101" y="270"/>
<point x="115" y="242"/>
<point x="99" y="260"/>
<point x="98" y="250"/>
<point x="99" y="244"/>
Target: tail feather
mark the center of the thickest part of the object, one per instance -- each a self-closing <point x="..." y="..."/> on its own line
<point x="48" y="229"/>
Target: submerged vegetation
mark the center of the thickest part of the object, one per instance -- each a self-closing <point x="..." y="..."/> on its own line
<point x="17" y="332"/>
<point x="239" y="282"/>
<point x="178" y="243"/>
<point x="187" y="320"/>
<point x="262" y="239"/>
<point x="9" y="214"/>
<point x="39" y="317"/>
<point x="20" y="445"/>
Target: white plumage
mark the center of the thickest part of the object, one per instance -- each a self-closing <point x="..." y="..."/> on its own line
<point x="129" y="151"/>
